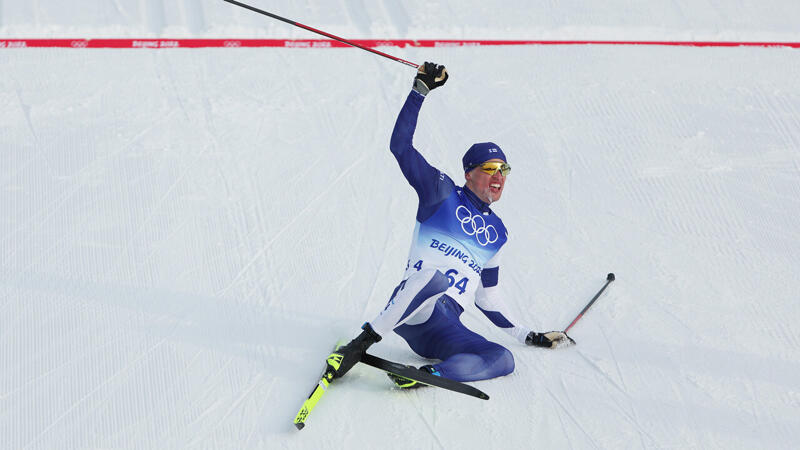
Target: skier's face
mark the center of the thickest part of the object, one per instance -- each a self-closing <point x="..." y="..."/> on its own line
<point x="487" y="187"/>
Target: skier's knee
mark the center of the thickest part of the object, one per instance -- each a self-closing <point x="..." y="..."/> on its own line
<point x="504" y="361"/>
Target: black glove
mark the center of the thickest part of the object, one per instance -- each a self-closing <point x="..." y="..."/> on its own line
<point x="344" y="358"/>
<point x="429" y="76"/>
<point x="550" y="339"/>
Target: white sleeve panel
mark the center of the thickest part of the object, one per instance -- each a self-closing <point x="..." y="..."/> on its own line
<point x="490" y="301"/>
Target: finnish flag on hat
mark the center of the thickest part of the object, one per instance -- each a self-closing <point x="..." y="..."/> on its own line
<point x="480" y="153"/>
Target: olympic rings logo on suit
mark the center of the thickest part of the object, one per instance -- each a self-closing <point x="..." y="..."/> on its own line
<point x="476" y="226"/>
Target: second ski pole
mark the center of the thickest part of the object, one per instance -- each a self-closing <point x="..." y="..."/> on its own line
<point x="609" y="279"/>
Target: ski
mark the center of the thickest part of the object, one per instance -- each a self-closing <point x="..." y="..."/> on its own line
<point x="415" y="374"/>
<point x="412" y="373"/>
<point x="331" y="365"/>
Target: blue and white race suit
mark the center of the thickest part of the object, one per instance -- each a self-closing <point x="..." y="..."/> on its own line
<point x="454" y="257"/>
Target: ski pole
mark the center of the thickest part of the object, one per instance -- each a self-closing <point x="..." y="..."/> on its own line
<point x="609" y="279"/>
<point x="328" y="35"/>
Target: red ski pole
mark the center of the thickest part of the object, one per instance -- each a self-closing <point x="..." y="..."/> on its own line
<point x="609" y="279"/>
<point x="327" y="35"/>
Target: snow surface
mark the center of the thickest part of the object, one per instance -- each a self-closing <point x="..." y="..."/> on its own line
<point x="185" y="233"/>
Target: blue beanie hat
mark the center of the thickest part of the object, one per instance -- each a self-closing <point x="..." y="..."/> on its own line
<point x="482" y="152"/>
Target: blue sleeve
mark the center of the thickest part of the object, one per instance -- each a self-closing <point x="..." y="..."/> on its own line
<point x="431" y="185"/>
<point x="497" y="318"/>
<point x="489" y="276"/>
